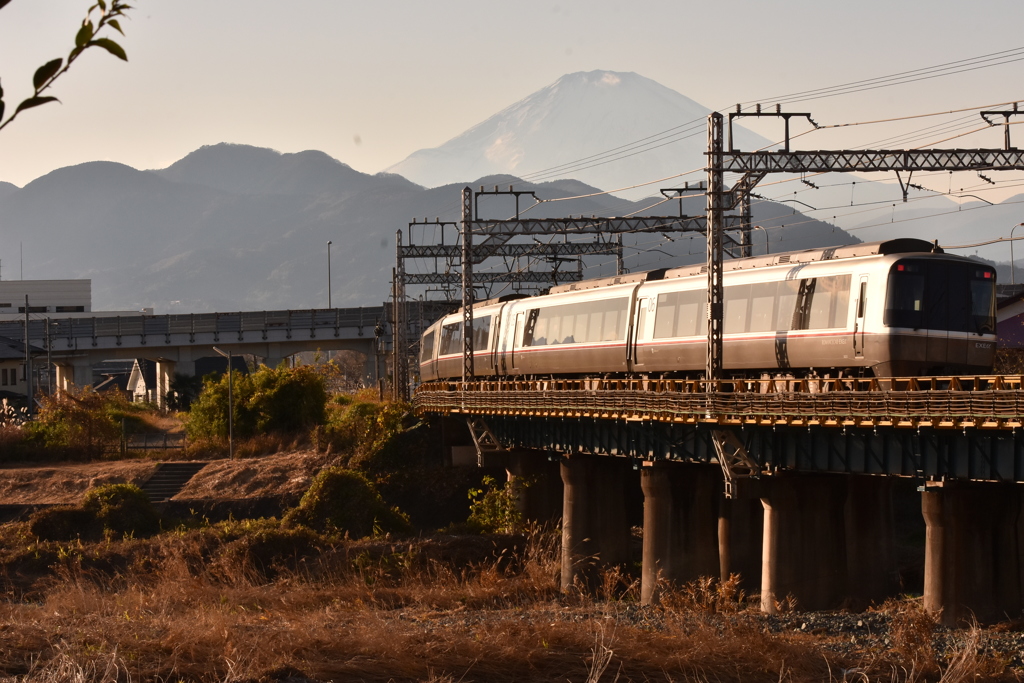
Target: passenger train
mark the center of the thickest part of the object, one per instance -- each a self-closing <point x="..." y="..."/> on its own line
<point x="899" y="307"/>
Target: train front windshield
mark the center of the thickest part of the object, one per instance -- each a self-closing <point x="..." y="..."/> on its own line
<point x="933" y="294"/>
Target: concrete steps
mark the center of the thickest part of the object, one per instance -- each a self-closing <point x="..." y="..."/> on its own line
<point x="169" y="478"/>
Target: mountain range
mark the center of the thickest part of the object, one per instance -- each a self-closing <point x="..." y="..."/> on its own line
<point x="234" y="227"/>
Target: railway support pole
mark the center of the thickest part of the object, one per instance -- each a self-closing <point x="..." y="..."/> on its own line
<point x="467" y="285"/>
<point x="401" y="326"/>
<point x="974" y="541"/>
<point x="715" y="228"/>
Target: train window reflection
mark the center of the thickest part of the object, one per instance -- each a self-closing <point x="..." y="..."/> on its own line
<point x="451" y="335"/>
<point x="762" y="306"/>
<point x="830" y="302"/>
<point x="481" y="333"/>
<point x="941" y="295"/>
<point x="591" y="321"/>
<point x="680" y="314"/>
<point x="427" y="347"/>
<point x="983" y="303"/>
<point x="737" y="300"/>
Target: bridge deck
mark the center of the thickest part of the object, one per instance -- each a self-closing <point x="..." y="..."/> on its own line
<point x="985" y="402"/>
<point x="930" y="429"/>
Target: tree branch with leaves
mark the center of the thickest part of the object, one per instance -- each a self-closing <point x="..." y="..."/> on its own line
<point x="103" y="15"/>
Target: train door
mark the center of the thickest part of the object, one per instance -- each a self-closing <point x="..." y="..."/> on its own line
<point x="858" y="325"/>
<point x="639" y="332"/>
<point x="517" y="340"/>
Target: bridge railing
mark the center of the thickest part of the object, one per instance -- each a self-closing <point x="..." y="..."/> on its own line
<point x="363" y="318"/>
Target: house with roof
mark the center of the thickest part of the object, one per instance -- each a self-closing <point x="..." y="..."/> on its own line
<point x="1010" y="322"/>
<point x="13" y="383"/>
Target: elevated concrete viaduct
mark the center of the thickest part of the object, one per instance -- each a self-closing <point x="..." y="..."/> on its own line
<point x="175" y="342"/>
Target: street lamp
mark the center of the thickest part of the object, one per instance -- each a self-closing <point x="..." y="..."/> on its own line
<point x="231" y="406"/>
<point x="329" y="243"/>
<point x="767" y="247"/>
<point x="1012" y="282"/>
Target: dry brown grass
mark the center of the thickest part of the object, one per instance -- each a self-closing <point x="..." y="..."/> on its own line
<point x="236" y="602"/>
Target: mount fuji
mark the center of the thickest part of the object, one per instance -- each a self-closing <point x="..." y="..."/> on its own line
<point x="593" y="117"/>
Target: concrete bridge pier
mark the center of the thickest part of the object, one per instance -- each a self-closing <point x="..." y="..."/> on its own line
<point x="974" y="544"/>
<point x="538" y="484"/>
<point x="595" y="518"/>
<point x="164" y="376"/>
<point x="870" y="541"/>
<point x="680" y="524"/>
<point x="77" y="373"/>
<point x="804" y="552"/>
<point x="740" y="526"/>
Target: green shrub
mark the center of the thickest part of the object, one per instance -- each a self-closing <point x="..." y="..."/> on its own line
<point x="63" y="523"/>
<point x="122" y="509"/>
<point x="81" y="423"/>
<point x="281" y="400"/>
<point x="342" y="500"/>
<point x="265" y="549"/>
<point x="494" y="510"/>
<point x="365" y="427"/>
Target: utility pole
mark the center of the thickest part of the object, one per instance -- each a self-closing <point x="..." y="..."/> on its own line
<point x="467" y="285"/>
<point x="28" y="365"/>
<point x="398" y="333"/>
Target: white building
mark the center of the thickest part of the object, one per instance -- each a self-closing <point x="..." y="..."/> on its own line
<point x="51" y="299"/>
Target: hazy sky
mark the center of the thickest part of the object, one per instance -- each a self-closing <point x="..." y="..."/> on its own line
<point x="371" y="82"/>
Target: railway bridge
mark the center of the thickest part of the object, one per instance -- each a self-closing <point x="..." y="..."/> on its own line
<point x="787" y="482"/>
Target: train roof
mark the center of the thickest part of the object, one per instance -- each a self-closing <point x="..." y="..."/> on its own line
<point x="903" y="245"/>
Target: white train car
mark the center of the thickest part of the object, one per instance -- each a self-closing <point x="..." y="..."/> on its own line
<point x="893" y="308"/>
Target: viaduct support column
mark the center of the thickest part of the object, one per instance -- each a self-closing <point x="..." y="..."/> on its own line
<point x="164" y="377"/>
<point x="973" y="546"/>
<point x="64" y="377"/>
<point x="81" y="373"/>
<point x="740" y="525"/>
<point x="680" y="524"/>
<point x="804" y="552"/>
<point x="595" y="523"/>
<point x="870" y="542"/>
<point x="538" y="485"/>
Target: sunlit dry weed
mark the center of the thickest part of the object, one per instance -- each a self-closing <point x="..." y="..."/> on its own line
<point x="191" y="606"/>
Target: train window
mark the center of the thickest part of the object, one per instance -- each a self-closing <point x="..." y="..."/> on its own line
<point x="680" y="314"/>
<point x="451" y="338"/>
<point x="665" y="319"/>
<point x="941" y="295"/>
<point x="983" y="300"/>
<point x="762" y="306"/>
<point x="591" y="321"/>
<point x="904" y="298"/>
<point x="830" y="302"/>
<point x="737" y="301"/>
<point x="481" y="332"/>
<point x="614" y="326"/>
<point x="427" y="347"/>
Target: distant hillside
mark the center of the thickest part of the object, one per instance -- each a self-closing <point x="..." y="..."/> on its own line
<point x="231" y="227"/>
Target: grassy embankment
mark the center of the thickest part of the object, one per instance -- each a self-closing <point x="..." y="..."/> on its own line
<point x="347" y="587"/>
